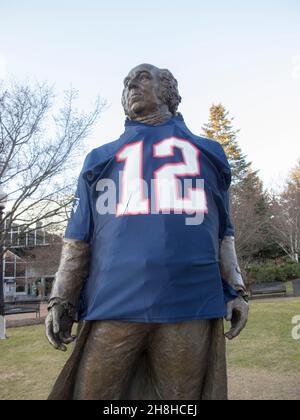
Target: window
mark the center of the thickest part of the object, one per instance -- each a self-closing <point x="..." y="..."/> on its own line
<point x="9" y="257"/>
<point x="31" y="239"/>
<point x="22" y="239"/>
<point x="14" y="267"/>
<point x="20" y="269"/>
<point x="14" y="236"/>
<point x="20" y="285"/>
<point x="39" y="237"/>
<point x="9" y="269"/>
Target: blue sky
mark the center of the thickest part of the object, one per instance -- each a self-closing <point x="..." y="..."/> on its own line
<point x="245" y="55"/>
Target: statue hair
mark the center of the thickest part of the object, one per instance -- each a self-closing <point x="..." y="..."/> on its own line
<point x="169" y="90"/>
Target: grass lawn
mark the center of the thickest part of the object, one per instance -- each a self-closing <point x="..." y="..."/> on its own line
<point x="264" y="363"/>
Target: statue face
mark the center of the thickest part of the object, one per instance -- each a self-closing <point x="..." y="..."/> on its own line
<point x="141" y="91"/>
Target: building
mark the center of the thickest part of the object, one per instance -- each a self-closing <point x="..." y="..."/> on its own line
<point x="30" y="263"/>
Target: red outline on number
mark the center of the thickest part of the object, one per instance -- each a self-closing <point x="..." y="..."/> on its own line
<point x="118" y="159"/>
<point x="177" y="176"/>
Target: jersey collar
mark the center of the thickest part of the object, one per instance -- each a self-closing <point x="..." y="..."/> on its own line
<point x="172" y="120"/>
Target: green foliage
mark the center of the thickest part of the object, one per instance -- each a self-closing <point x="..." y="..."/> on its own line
<point x="219" y="127"/>
<point x="249" y="201"/>
<point x="270" y="271"/>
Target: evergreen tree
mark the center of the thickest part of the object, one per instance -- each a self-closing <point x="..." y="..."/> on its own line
<point x="220" y="128"/>
<point x="249" y="202"/>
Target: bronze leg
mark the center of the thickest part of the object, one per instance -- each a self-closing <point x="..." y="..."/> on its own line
<point x="108" y="359"/>
<point x="179" y="355"/>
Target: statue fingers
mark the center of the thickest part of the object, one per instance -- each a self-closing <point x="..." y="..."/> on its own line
<point x="53" y="338"/>
<point x="231" y="334"/>
<point x="65" y="337"/>
<point x="56" y="315"/>
<point x="237" y="327"/>
<point x="49" y="332"/>
<point x="229" y="312"/>
<point x="68" y="335"/>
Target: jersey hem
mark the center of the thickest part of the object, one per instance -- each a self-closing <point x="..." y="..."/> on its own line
<point x="159" y="320"/>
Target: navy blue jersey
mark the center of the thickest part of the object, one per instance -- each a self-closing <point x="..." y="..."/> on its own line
<point x="154" y="206"/>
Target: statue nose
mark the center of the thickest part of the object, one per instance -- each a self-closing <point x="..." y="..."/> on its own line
<point x="133" y="84"/>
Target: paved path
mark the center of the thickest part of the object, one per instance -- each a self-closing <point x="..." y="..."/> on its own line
<point x="262" y="384"/>
<point x="20" y="320"/>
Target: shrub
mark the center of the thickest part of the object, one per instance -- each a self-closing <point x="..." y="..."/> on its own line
<point x="271" y="271"/>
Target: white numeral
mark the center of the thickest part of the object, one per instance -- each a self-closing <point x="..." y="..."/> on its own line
<point x="133" y="201"/>
<point x="168" y="192"/>
<point x="167" y="184"/>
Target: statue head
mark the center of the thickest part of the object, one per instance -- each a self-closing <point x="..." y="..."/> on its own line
<point x="149" y="90"/>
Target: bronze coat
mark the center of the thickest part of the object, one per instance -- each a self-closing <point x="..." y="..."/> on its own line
<point x="214" y="386"/>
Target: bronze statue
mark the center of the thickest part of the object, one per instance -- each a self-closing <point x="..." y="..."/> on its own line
<point x="117" y="358"/>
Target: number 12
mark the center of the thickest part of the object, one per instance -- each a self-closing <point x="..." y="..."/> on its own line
<point x="166" y="179"/>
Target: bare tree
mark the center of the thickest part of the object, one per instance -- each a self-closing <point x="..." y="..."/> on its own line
<point x="38" y="150"/>
<point x="250" y="212"/>
<point x="286" y="216"/>
<point x="247" y="225"/>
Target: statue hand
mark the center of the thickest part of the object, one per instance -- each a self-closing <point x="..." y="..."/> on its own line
<point x="237" y="314"/>
<point x="59" y="322"/>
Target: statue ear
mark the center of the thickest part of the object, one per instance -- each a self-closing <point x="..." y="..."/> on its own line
<point x="165" y="74"/>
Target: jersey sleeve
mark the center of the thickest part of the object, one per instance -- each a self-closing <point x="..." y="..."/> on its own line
<point x="229" y="293"/>
<point x="227" y="228"/>
<point x="80" y="225"/>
